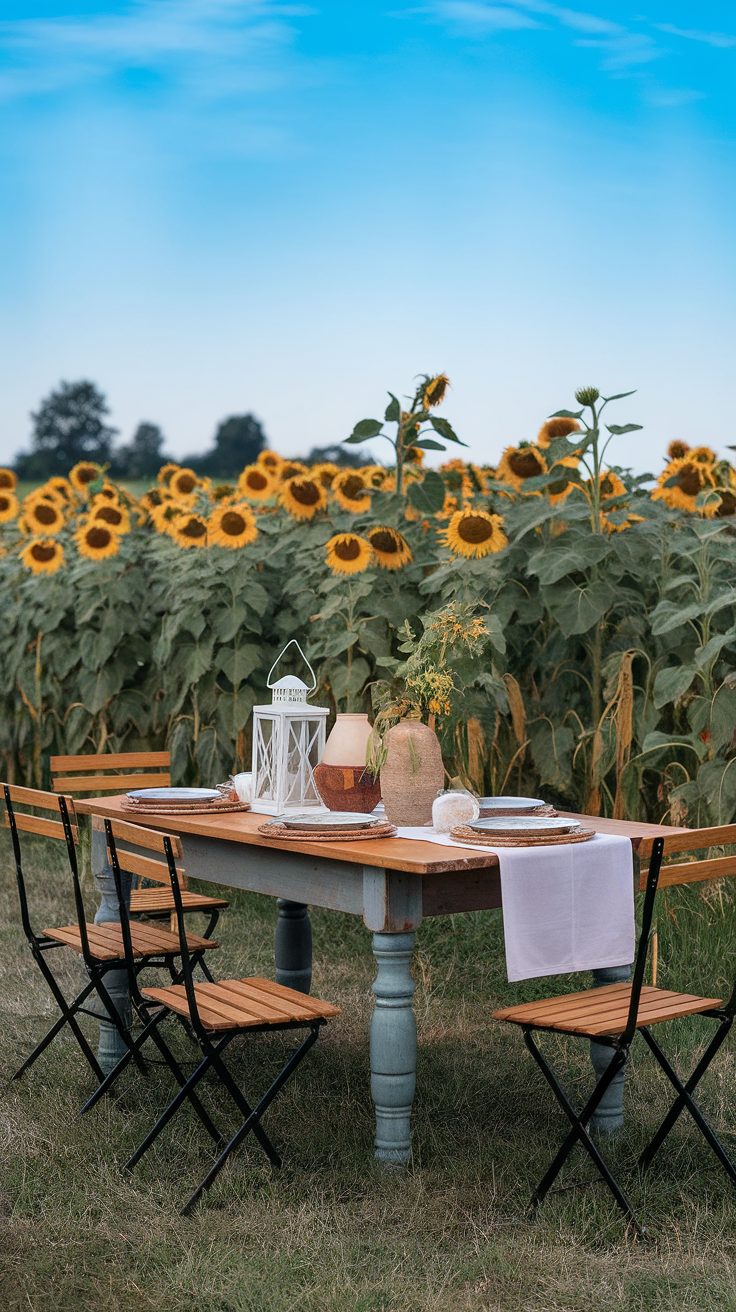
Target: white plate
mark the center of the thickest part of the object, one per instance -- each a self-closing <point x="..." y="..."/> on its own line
<point x="509" y="824"/>
<point x="328" y="820"/>
<point x="509" y="803"/>
<point x="175" y="794"/>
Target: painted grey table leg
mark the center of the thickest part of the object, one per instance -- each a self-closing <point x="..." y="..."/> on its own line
<point x="111" y="1047"/>
<point x="609" y="1116"/>
<point x="293" y="946"/>
<point x="393" y="1047"/>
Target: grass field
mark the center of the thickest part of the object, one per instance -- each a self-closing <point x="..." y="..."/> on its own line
<point x="331" y="1232"/>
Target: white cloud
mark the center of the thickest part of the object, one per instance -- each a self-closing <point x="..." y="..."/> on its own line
<point x="719" y="40"/>
<point x="485" y="17"/>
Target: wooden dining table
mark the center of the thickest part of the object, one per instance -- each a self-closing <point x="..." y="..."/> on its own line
<point x="392" y="884"/>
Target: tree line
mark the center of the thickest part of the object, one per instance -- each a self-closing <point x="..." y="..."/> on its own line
<point x="71" y="424"/>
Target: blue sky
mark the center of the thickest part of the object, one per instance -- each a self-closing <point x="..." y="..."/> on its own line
<point x="211" y="206"/>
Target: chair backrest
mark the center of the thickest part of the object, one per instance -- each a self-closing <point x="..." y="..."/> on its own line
<point x="57" y="820"/>
<point x="166" y="870"/>
<point x="642" y="949"/>
<point x="695" y="870"/>
<point x="114" y="772"/>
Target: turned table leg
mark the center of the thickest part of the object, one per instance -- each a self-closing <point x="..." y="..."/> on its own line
<point x="293" y="946"/>
<point x="609" y="1115"/>
<point x="393" y="1046"/>
<point x="111" y="1047"/>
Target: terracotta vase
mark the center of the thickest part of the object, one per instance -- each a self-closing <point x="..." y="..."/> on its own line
<point x="343" y="780"/>
<point x="413" y="773"/>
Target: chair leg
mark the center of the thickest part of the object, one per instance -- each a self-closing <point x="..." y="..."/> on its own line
<point x="67" y="1017"/>
<point x="579" y="1133"/>
<point x="115" y="1020"/>
<point x="243" y="1106"/>
<point x="685" y="1100"/>
<point x="252" y="1120"/>
<point x="184" y="1092"/>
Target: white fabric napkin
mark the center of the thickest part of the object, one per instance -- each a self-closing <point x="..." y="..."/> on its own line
<point x="566" y="907"/>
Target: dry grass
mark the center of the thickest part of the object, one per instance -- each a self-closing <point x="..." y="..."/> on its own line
<point x="332" y="1233"/>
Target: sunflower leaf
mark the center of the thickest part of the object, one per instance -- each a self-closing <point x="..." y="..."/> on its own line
<point x="618" y="429"/>
<point x="445" y="429"/>
<point x="393" y="410"/>
<point x="429" y="444"/>
<point x="619" y="396"/>
<point x="365" y="429"/>
<point x="566" y="414"/>
<point x="428" y="496"/>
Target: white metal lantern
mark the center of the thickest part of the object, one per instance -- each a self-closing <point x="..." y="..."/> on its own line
<point x="288" y="741"/>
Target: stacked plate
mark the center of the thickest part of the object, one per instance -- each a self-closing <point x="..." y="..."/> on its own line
<point x="524" y="824"/>
<point x="328" y="821"/>
<point x="180" y="801"/>
<point x="498" y="806"/>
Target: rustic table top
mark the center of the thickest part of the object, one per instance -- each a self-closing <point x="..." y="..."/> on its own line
<point x="408" y="855"/>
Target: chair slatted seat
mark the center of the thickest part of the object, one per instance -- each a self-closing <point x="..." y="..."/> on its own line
<point x="614" y="1014"/>
<point x="216" y="1012"/>
<point x="106" y="940"/>
<point x="119" y="772"/>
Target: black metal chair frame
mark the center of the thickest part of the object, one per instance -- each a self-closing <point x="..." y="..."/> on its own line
<point x="212" y="1045"/>
<point x="620" y="1046"/>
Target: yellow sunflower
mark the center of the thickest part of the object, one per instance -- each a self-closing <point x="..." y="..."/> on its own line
<point x="474" y="533"/>
<point x="60" y="487"/>
<point x="702" y="455"/>
<point x="391" y="548"/>
<point x="189" y="530"/>
<point x="677" y="449"/>
<point x="108" y="492"/>
<point x="611" y="486"/>
<point x="115" y="516"/>
<point x="269" y="460"/>
<point x="257" y="483"/>
<point x="9" y="506"/>
<point x="350" y="490"/>
<point x="518" y="463"/>
<point x="96" y="541"/>
<point x="43" y="516"/>
<point x="84" y="473"/>
<point x="690" y="479"/>
<point x="232" y="526"/>
<point x="434" y="390"/>
<point x="183" y="483"/>
<point x="167" y="471"/>
<point x="8" y="480"/>
<point x="617" y="526"/>
<point x="414" y="455"/>
<point x="560" y="489"/>
<point x="727" y="503"/>
<point x="325" y="471"/>
<point x="290" y="468"/>
<point x="302" y="497"/>
<point x="552" y="428"/>
<point x="43" y="556"/>
<point x="164" y="516"/>
<point x="347" y="553"/>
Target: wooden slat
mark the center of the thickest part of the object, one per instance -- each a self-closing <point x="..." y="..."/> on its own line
<point x="694" y="872"/>
<point x="129" y="831"/>
<point x="156" y="899"/>
<point x="37" y="824"/>
<point x="37" y="798"/>
<point x="605" y="1011"/>
<point x="693" y="840"/>
<point x="109" y="761"/>
<point x="109" y="783"/>
<point x="248" y="1002"/>
<point x="281" y="991"/>
<point x="244" y="1003"/>
<point x="145" y="866"/>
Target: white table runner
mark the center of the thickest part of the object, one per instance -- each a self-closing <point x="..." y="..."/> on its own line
<point x="566" y="907"/>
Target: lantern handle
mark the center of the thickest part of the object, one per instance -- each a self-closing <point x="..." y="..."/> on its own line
<point x="306" y="662"/>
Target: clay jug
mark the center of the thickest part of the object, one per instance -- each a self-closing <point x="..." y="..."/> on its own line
<point x="413" y="773"/>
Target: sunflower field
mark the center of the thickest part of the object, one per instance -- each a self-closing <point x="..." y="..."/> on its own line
<point x="601" y="605"/>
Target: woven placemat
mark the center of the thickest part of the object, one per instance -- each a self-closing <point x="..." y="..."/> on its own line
<point x="488" y="812"/>
<point x="464" y="834"/>
<point x="275" y="830"/>
<point x="188" y="808"/>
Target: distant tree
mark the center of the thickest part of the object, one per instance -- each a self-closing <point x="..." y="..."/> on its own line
<point x="144" y="454"/>
<point x="68" y="426"/>
<point x="335" y="455"/>
<point x="238" y="441"/>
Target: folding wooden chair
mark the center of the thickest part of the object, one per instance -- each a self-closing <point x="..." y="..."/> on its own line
<point x="101" y="947"/>
<point x="117" y="773"/>
<point x="614" y="1014"/>
<point x="217" y="1012"/>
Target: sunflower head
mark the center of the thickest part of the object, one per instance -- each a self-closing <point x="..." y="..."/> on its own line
<point x="518" y="463"/>
<point x="434" y="390"/>
<point x="189" y="530"/>
<point x="348" y="553"/>
<point x="303" y="496"/>
<point x="270" y="460"/>
<point x="112" y="514"/>
<point x="256" y="483"/>
<point x="8" y="480"/>
<point x="681" y="482"/>
<point x="350" y="490"/>
<point x="702" y="455"/>
<point x="166" y="472"/>
<point x="232" y="526"/>
<point x="611" y="486"/>
<point x="183" y="484"/>
<point x="97" y="541"/>
<point x="84" y="473"/>
<point x="43" y="556"/>
<point x="587" y="395"/>
<point x="9" y="506"/>
<point x="392" y="551"/>
<point x="553" y="428"/>
<point x="677" y="449"/>
<point x="43" y="515"/>
<point x="727" y="506"/>
<point x="325" y="471"/>
<point x="474" y="533"/>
